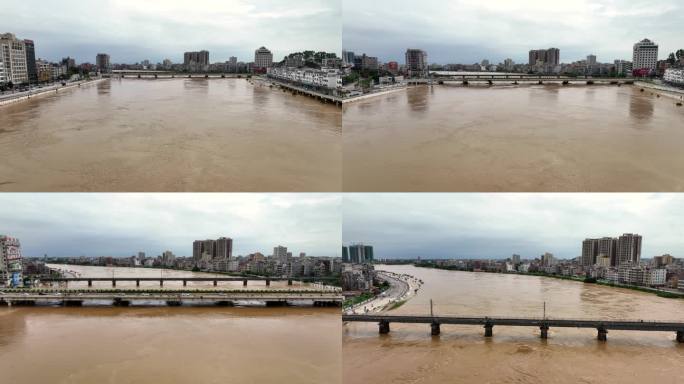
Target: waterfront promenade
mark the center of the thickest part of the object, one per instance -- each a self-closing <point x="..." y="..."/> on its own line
<point x="401" y="288"/>
<point x="10" y="98"/>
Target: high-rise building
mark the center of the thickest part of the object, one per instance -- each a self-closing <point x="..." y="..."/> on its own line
<point x="31" y="69"/>
<point x="13" y="56"/>
<point x="628" y="249"/>
<point x="280" y="253"/>
<point x="416" y="63"/>
<point x="10" y="261"/>
<point x="547" y="259"/>
<point x="369" y="62"/>
<point x="196" y="61"/>
<point x="594" y="250"/>
<point x="515" y="259"/>
<point x="263" y="59"/>
<point x="589" y="251"/>
<point x="591" y="60"/>
<point x="368" y="253"/>
<point x="3" y="76"/>
<point x="232" y="64"/>
<point x="549" y="56"/>
<point x="347" y="57"/>
<point x="345" y="254"/>
<point x="224" y="248"/>
<point x="102" y="63"/>
<point x="645" y="55"/>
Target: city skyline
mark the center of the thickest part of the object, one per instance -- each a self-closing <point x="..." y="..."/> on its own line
<point x="120" y="225"/>
<point x="466" y="32"/>
<point x="472" y="226"/>
<point x="132" y="32"/>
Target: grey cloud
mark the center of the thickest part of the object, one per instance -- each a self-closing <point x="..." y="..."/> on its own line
<point x="121" y="224"/>
<point x="497" y="225"/>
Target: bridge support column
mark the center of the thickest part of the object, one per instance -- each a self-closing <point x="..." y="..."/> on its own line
<point x="383" y="327"/>
<point x="488" y="330"/>
<point x="90" y="283"/>
<point x="215" y="283"/>
<point x="185" y="283"/>
<point x="268" y="282"/>
<point x="113" y="283"/>
<point x="161" y="283"/>
<point x="289" y="281"/>
<point x="680" y="336"/>
<point x="434" y="329"/>
<point x="137" y="283"/>
<point x="244" y="282"/>
<point x="602" y="334"/>
<point x="544" y="331"/>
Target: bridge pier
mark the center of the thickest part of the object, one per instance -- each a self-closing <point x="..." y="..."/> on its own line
<point x="161" y="283"/>
<point x="268" y="282"/>
<point x="113" y="283"/>
<point x="544" y="331"/>
<point x="680" y="336"/>
<point x="434" y="328"/>
<point x="185" y="283"/>
<point x="244" y="282"/>
<point x="215" y="283"/>
<point x="602" y="334"/>
<point x="383" y="327"/>
<point x="72" y="303"/>
<point x="90" y="283"/>
<point x="137" y="283"/>
<point x="488" y="330"/>
<point x="541" y="82"/>
<point x="289" y="281"/>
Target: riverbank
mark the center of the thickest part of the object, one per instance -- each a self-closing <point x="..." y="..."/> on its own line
<point x="658" y="292"/>
<point x="372" y="94"/>
<point x="662" y="90"/>
<point x="401" y="288"/>
<point x="23" y="96"/>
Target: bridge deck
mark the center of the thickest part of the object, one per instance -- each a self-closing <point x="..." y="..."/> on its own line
<point x="632" y="325"/>
<point x="208" y="279"/>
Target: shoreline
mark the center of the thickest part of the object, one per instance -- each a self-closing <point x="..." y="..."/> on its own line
<point x="379" y="303"/>
<point x="657" y="292"/>
<point x="54" y="89"/>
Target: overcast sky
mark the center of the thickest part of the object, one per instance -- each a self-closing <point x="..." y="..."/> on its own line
<point x="135" y="30"/>
<point x="467" y="31"/>
<point x="499" y="225"/>
<point x="122" y="224"/>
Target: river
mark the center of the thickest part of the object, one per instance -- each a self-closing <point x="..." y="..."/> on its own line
<point x="506" y="138"/>
<point x="171" y="135"/>
<point x="408" y="354"/>
<point x="169" y="345"/>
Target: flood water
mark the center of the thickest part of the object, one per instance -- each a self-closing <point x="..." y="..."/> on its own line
<point x="408" y="354"/>
<point x="169" y="344"/>
<point x="527" y="138"/>
<point x="171" y="135"/>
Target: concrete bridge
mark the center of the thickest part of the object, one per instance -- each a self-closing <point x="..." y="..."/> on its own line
<point x="149" y="74"/>
<point x="521" y="79"/>
<point x="161" y="280"/>
<point x="602" y="326"/>
<point x="124" y="298"/>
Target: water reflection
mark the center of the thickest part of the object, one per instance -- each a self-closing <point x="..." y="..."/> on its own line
<point x="417" y="98"/>
<point x="641" y="108"/>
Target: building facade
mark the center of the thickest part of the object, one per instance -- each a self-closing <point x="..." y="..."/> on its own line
<point x="645" y="55"/>
<point x="10" y="261"/>
<point x="196" y="61"/>
<point x="31" y="70"/>
<point x="416" y="63"/>
<point x="102" y="63"/>
<point x="263" y="59"/>
<point x="13" y="52"/>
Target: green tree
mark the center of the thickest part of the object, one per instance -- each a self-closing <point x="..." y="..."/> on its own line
<point x="680" y="54"/>
<point x="671" y="59"/>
